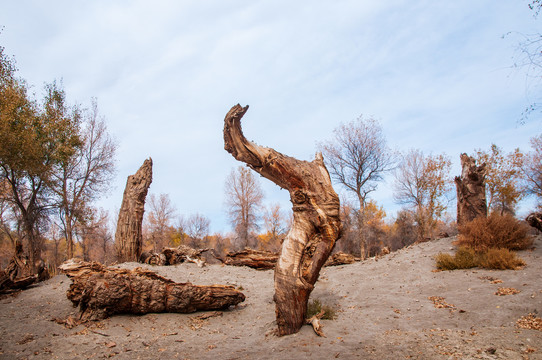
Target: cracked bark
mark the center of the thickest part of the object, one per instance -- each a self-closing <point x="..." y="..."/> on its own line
<point x="471" y="191"/>
<point x="316" y="223"/>
<point x="128" y="237"/>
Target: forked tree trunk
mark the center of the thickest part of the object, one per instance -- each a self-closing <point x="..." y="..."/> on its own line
<point x="128" y="237"/>
<point x="471" y="190"/>
<point x="316" y="223"/>
<point x="101" y="292"/>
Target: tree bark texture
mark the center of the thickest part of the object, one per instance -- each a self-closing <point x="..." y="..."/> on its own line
<point x="316" y="223"/>
<point x="128" y="237"/>
<point x="101" y="292"/>
<point x="19" y="274"/>
<point x="261" y="260"/>
<point x="471" y="190"/>
<point x="535" y="220"/>
<point x="172" y="256"/>
<point x="340" y="258"/>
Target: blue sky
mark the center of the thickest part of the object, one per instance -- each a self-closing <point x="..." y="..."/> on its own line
<point x="438" y="75"/>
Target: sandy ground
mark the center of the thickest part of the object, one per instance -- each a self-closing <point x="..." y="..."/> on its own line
<point x="383" y="308"/>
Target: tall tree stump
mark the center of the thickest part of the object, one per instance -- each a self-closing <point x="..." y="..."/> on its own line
<point x="100" y="292"/>
<point x="471" y="190"/>
<point x="128" y="237"/>
<point x="316" y="223"/>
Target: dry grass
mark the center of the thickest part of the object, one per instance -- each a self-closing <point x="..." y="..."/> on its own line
<point x="495" y="231"/>
<point x="315" y="307"/>
<point x="466" y="258"/>
<point x="501" y="259"/>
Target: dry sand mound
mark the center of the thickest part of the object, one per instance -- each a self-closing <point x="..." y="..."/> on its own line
<point x="387" y="309"/>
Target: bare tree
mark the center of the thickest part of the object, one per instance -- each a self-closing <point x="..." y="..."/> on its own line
<point x="532" y="169"/>
<point x="422" y="182"/>
<point x="275" y="226"/>
<point x="243" y="200"/>
<point x="357" y="157"/>
<point x="197" y="227"/>
<point x="159" y="218"/>
<point x="84" y="176"/>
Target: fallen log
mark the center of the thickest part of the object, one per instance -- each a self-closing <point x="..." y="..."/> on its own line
<point x="173" y="256"/>
<point x="340" y="258"/>
<point x="100" y="292"/>
<point x="256" y="259"/>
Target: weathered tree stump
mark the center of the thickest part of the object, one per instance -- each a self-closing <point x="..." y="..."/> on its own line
<point x="128" y="236"/>
<point x="100" y="292"/>
<point x="18" y="274"/>
<point x="471" y="191"/>
<point x="535" y="220"/>
<point x="256" y="259"/>
<point x="316" y="222"/>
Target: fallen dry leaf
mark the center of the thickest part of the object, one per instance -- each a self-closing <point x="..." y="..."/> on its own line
<point x="439" y="302"/>
<point x="111" y="344"/>
<point x="506" y="291"/>
<point x="530" y="321"/>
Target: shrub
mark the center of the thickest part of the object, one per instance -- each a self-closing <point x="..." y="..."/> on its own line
<point x="501" y="259"/>
<point x="315" y="307"/>
<point x="464" y="258"/>
<point x="495" y="231"/>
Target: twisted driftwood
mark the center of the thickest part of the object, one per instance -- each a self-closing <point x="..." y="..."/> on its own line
<point x="316" y="223"/>
<point x="100" y="292"/>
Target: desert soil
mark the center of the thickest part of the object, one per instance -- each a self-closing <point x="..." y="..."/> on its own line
<point x="384" y="311"/>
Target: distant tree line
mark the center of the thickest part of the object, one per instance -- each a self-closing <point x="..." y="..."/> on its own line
<point x="57" y="159"/>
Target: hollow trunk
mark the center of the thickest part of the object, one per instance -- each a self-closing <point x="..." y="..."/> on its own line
<point x="128" y="237"/>
<point x="316" y="223"/>
<point x="101" y="292"/>
<point x="471" y="191"/>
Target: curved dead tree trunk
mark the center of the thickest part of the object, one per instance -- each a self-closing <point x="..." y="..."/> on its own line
<point x="101" y="292"/>
<point x="128" y="237"/>
<point x="316" y="224"/>
<point x="471" y="191"/>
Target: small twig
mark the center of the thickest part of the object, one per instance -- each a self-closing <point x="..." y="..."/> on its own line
<point x="97" y="332"/>
<point x="315" y="322"/>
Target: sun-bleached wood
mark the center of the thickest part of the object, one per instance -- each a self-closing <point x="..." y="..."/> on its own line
<point x="316" y="223"/>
